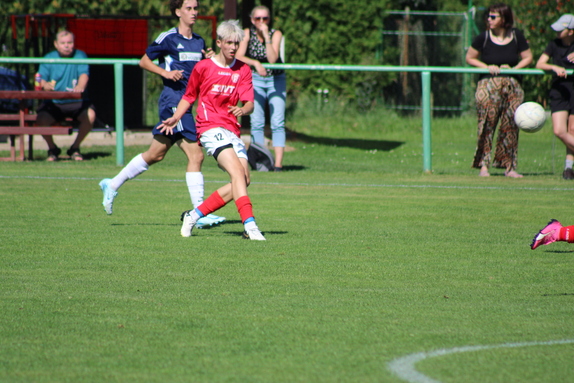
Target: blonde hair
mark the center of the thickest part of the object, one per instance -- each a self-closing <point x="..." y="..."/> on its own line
<point x="260" y="7"/>
<point x="230" y="30"/>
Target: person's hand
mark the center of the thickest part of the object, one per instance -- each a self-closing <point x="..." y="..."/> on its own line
<point x="78" y="89"/>
<point x="209" y="53"/>
<point x="49" y="85"/>
<point x="167" y="125"/>
<point x="261" y="71"/>
<point x="570" y="57"/>
<point x="264" y="28"/>
<point x="236" y="111"/>
<point x="174" y="75"/>
<point x="561" y="72"/>
<point x="493" y="69"/>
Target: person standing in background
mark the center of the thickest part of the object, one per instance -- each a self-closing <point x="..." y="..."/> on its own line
<point x="261" y="45"/>
<point x="561" y="52"/>
<point x="498" y="95"/>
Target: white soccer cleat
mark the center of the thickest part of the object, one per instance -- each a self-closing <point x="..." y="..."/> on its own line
<point x="109" y="195"/>
<point x="253" y="234"/>
<point x="209" y="220"/>
<point x="188" y="223"/>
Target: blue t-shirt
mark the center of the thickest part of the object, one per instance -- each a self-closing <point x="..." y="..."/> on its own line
<point x="65" y="75"/>
<point x="175" y="52"/>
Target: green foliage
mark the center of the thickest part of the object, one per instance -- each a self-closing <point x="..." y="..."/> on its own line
<point x="332" y="32"/>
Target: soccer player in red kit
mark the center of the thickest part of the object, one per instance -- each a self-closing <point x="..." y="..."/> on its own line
<point x="219" y="84"/>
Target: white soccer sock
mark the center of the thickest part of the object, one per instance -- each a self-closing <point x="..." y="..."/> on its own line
<point x="568" y="164"/>
<point x="194" y="182"/>
<point x="133" y="169"/>
<point x="250" y="225"/>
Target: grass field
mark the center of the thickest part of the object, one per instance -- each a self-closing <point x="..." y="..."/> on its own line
<point x="367" y="260"/>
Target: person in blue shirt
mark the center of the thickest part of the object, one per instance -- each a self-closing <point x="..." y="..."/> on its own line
<point x="177" y="51"/>
<point x="66" y="78"/>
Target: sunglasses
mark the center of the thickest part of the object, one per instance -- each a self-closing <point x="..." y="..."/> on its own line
<point x="261" y="18"/>
<point x="493" y="17"/>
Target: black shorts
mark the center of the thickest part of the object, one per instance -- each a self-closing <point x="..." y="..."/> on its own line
<point x="61" y="111"/>
<point x="562" y="97"/>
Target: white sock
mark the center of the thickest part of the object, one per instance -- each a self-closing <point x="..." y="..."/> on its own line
<point x="250" y="225"/>
<point x="194" y="182"/>
<point x="569" y="164"/>
<point x="133" y="169"/>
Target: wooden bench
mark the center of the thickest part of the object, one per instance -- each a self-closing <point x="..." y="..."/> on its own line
<point x="25" y="120"/>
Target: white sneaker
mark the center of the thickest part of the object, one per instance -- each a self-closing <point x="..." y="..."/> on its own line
<point x="109" y="195"/>
<point x="188" y="223"/>
<point x="253" y="234"/>
<point x="209" y="220"/>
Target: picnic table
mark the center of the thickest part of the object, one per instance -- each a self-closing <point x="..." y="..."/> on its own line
<point x="26" y="120"/>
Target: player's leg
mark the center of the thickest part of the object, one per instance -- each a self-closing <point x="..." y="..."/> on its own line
<point x="551" y="233"/>
<point x="194" y="180"/>
<point x="277" y="97"/>
<point x="568" y="173"/>
<point x="139" y="164"/>
<point x="230" y="153"/>
<point x="86" y="118"/>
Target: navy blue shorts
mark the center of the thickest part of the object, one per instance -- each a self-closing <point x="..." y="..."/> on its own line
<point x="185" y="127"/>
<point x="69" y="109"/>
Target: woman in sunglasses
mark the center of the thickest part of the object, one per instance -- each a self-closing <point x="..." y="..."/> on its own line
<point x="498" y="95"/>
<point x="261" y="45"/>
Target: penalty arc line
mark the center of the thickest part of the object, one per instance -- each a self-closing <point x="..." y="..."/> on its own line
<point x="404" y="367"/>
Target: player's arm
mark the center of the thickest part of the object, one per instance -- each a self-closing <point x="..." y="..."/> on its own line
<point x="244" y="110"/>
<point x="543" y="64"/>
<point x="170" y="123"/>
<point x="147" y="64"/>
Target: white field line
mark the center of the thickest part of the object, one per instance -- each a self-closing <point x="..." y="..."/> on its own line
<point x="320" y="184"/>
<point x="404" y="367"/>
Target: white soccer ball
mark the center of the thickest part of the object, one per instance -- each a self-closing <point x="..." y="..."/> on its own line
<point x="530" y="117"/>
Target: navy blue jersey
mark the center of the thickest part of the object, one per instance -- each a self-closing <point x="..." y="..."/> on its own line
<point x="175" y="52"/>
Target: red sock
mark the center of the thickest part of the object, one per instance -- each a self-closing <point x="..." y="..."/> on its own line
<point x="566" y="234"/>
<point x="211" y="204"/>
<point x="244" y="207"/>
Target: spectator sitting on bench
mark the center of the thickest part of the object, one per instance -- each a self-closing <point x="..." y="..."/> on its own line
<point x="66" y="78"/>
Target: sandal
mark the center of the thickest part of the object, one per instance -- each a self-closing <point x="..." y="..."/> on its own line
<point x="53" y="154"/>
<point x="75" y="154"/>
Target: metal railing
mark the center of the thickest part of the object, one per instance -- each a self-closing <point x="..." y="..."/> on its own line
<point x="424" y="71"/>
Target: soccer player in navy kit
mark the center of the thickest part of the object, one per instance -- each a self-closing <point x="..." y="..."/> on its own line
<point x="178" y="50"/>
<point x="218" y="84"/>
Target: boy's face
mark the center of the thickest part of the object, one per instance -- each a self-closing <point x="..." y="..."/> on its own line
<point x="228" y="48"/>
<point x="65" y="45"/>
<point x="188" y="12"/>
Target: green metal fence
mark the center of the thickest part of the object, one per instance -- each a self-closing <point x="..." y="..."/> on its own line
<point x="426" y="73"/>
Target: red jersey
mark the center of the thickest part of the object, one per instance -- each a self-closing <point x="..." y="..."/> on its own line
<point x="218" y="88"/>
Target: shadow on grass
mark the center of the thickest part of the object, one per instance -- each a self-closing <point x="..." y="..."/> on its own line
<point x="355" y="143"/>
<point x="87" y="156"/>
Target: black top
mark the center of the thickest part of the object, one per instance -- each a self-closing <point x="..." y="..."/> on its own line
<point x="558" y="52"/>
<point x="495" y="54"/>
